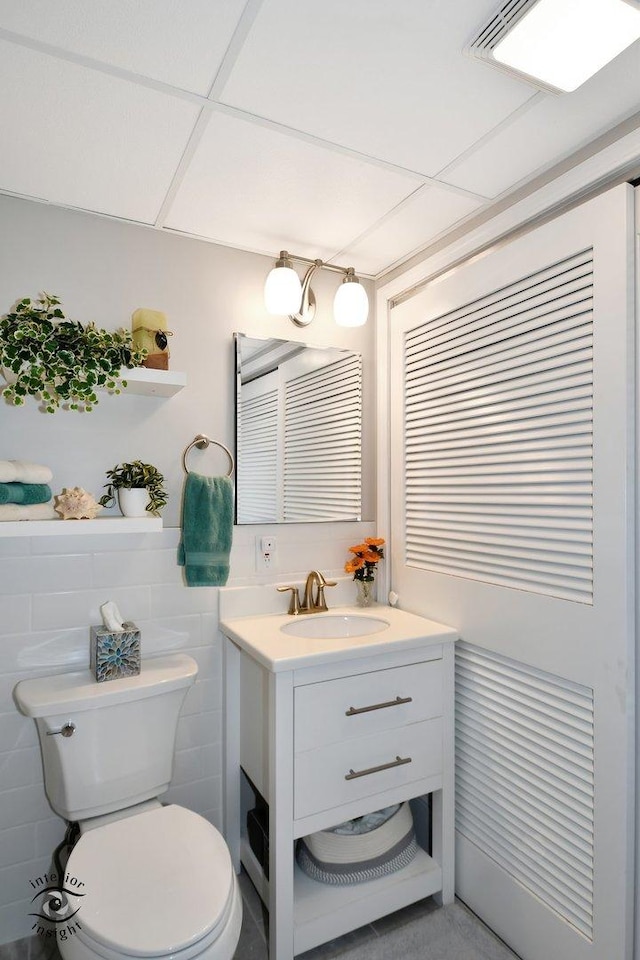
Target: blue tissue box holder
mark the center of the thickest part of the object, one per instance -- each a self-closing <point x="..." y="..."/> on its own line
<point x="115" y="653"/>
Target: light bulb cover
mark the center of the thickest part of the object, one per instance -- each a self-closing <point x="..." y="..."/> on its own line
<point x="563" y="43"/>
<point x="350" y="304"/>
<point x="282" y="289"/>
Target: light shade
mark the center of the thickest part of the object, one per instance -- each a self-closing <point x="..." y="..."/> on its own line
<point x="564" y="42"/>
<point x="282" y="288"/>
<point x="351" y="304"/>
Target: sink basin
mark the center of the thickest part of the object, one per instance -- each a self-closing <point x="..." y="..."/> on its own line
<point x="334" y="626"/>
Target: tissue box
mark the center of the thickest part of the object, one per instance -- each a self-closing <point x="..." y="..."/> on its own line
<point x="115" y="653"/>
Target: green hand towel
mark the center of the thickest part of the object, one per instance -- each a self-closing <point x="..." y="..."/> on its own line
<point x="26" y="493"/>
<point x="207" y="530"/>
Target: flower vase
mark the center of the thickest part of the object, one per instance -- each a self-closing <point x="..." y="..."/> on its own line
<point x="364" y="596"/>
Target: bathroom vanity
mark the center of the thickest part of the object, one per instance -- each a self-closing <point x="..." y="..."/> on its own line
<point x="328" y="728"/>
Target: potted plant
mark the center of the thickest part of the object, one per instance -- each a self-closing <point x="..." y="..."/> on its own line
<point x="138" y="487"/>
<point x="60" y="361"/>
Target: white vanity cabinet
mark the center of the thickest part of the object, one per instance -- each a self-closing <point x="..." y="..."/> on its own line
<point x="327" y="731"/>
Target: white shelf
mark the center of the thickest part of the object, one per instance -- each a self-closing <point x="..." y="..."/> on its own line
<point x="148" y="383"/>
<point x="323" y="912"/>
<point x="153" y="383"/>
<point x="56" y="528"/>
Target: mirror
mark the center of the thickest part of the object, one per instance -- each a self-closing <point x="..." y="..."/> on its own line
<point x="298" y="432"/>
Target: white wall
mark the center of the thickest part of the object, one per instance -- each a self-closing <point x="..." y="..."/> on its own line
<point x="51" y="588"/>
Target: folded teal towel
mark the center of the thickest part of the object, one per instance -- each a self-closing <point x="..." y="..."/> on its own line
<point x="26" y="493"/>
<point x="207" y="530"/>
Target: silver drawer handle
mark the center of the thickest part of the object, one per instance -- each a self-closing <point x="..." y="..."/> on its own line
<point x="353" y="711"/>
<point x="398" y="762"/>
<point x="67" y="730"/>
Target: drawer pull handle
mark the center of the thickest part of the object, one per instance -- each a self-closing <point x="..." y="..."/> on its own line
<point x="354" y="711"/>
<point x="398" y="762"/>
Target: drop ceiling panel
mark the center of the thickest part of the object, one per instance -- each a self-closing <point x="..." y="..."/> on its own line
<point x="388" y="80"/>
<point x="80" y="138"/>
<point x="178" y="43"/>
<point x="554" y="127"/>
<point x="421" y="218"/>
<point x="255" y="187"/>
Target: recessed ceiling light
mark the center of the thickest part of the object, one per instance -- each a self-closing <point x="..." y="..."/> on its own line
<point x="564" y="42"/>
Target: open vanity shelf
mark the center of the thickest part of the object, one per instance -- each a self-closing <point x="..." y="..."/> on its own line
<point x="292" y="735"/>
<point x="319" y="907"/>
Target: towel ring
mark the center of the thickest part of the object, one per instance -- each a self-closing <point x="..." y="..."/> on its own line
<point x="202" y="442"/>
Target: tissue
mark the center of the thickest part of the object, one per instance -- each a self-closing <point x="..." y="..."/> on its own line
<point x="111" y="616"/>
<point x="115" y="646"/>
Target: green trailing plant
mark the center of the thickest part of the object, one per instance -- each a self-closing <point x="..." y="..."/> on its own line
<point x="60" y="361"/>
<point x="136" y="474"/>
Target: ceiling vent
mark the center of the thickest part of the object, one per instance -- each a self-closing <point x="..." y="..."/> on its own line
<point x="484" y="43"/>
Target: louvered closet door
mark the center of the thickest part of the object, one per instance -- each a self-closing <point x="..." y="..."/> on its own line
<point x="512" y="519"/>
<point x="322" y="428"/>
<point x="258" y="474"/>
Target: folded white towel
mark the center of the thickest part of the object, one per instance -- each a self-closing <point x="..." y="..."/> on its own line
<point x="23" y="471"/>
<point x="35" y="511"/>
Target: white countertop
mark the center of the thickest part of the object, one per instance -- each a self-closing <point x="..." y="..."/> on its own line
<point x="262" y="638"/>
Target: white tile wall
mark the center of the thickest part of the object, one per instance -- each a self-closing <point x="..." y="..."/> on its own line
<point x="50" y="592"/>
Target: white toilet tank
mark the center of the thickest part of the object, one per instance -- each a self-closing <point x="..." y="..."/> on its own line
<point x="120" y="751"/>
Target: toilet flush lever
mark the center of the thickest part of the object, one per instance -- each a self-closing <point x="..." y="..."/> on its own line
<point x="67" y="730"/>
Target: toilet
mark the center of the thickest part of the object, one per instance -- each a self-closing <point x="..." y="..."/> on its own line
<point x="143" y="879"/>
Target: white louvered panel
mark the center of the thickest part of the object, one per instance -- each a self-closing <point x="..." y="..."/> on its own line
<point x="257" y="459"/>
<point x="322" y="466"/>
<point x="545" y="286"/>
<point x="524" y="777"/>
<point x="498" y="399"/>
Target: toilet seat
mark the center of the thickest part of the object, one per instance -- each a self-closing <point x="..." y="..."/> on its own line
<point x="156" y="883"/>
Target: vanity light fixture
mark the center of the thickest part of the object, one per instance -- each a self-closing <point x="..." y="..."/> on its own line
<point x="285" y="294"/>
<point x="559" y="44"/>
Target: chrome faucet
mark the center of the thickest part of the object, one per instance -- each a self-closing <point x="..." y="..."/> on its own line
<point x="311" y="603"/>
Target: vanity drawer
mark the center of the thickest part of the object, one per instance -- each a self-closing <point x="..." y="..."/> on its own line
<point x="341" y="772"/>
<point x="337" y="710"/>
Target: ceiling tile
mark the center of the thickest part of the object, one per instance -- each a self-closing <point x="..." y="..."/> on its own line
<point x="80" y="138"/>
<point x="255" y="187"/>
<point x="388" y="80"/>
<point x="427" y="213"/>
<point x="554" y="127"/>
<point x="179" y="43"/>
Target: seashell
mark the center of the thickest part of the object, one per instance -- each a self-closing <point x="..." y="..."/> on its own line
<point x="76" y="504"/>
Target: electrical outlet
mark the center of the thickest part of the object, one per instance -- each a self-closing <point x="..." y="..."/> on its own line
<point x="265" y="554"/>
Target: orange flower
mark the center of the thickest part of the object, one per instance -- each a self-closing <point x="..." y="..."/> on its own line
<point x="352" y="565"/>
<point x="374" y="541"/>
<point x="370" y="557"/>
<point x="361" y="548"/>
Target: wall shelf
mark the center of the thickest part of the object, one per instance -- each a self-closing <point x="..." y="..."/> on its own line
<point x="153" y="383"/>
<point x="56" y="528"/>
<point x="148" y="383"/>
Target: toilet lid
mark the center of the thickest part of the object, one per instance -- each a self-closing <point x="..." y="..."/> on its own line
<point x="154" y="883"/>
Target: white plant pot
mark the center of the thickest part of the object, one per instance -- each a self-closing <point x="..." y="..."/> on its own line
<point x="133" y="501"/>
